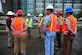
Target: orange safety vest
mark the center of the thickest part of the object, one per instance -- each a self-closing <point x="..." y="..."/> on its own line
<point x="19" y="24"/>
<point x="64" y="28"/>
<point x="53" y="22"/>
<point x="58" y="26"/>
<point x="73" y="24"/>
<point x="40" y="21"/>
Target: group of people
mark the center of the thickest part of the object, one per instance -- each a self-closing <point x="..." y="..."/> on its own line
<point x="49" y="27"/>
<point x="57" y="26"/>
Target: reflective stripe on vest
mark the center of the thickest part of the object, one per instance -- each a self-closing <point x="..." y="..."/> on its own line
<point x="53" y="20"/>
<point x="20" y="27"/>
<point x="40" y="21"/>
<point x="29" y="22"/>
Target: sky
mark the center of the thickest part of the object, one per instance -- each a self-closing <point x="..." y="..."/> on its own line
<point x="0" y="6"/>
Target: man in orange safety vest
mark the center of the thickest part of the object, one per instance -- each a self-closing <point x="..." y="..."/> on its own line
<point x="49" y="29"/>
<point x="19" y="27"/>
<point x="69" y="31"/>
<point x="60" y="21"/>
<point x="40" y="22"/>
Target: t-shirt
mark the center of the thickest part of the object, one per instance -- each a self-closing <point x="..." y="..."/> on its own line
<point x="46" y="20"/>
<point x="59" y="20"/>
<point x="8" y="23"/>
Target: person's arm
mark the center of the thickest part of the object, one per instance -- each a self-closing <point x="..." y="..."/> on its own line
<point x="44" y="28"/>
<point x="68" y="25"/>
<point x="45" y="22"/>
<point x="12" y="26"/>
<point x="25" y="24"/>
<point x="75" y="32"/>
<point x="38" y="23"/>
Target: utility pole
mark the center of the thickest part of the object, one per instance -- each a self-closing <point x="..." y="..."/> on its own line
<point x="63" y="7"/>
<point x="34" y="7"/>
<point x="72" y="3"/>
<point x="54" y="5"/>
<point x="81" y="4"/>
<point x="4" y="1"/>
<point x="44" y="4"/>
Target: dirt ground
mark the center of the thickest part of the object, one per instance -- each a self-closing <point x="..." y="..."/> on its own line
<point x="35" y="46"/>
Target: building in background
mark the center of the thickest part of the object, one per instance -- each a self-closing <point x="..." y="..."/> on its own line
<point x="30" y="6"/>
<point x="13" y="5"/>
<point x="23" y="5"/>
<point x="6" y="5"/>
<point x="1" y="9"/>
<point x="38" y="6"/>
<point x="76" y="4"/>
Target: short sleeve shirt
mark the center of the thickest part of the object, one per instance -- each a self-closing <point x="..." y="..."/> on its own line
<point x="60" y="22"/>
<point x="46" y="20"/>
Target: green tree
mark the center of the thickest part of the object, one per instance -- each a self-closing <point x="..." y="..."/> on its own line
<point x="25" y="14"/>
<point x="43" y="13"/>
<point x="79" y="14"/>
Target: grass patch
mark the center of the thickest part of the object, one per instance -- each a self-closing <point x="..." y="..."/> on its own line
<point x="2" y="27"/>
<point x="79" y="27"/>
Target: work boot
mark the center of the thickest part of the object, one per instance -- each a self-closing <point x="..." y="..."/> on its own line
<point x="15" y="53"/>
<point x="56" y="48"/>
<point x="9" y="46"/>
<point x="23" y="53"/>
<point x="39" y="37"/>
<point x="30" y="37"/>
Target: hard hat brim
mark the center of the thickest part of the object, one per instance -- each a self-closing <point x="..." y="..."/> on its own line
<point x="70" y="11"/>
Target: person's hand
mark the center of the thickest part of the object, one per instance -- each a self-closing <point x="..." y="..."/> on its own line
<point x="74" y="33"/>
<point x="43" y="34"/>
<point x="17" y="32"/>
<point x="64" y="33"/>
<point x="38" y="26"/>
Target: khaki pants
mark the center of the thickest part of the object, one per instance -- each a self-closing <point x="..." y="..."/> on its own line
<point x="10" y="38"/>
<point x="19" y="45"/>
<point x="67" y="45"/>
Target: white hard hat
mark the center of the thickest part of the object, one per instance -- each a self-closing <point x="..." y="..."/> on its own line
<point x="28" y="14"/>
<point x="49" y="7"/>
<point x="40" y="14"/>
<point x="9" y="13"/>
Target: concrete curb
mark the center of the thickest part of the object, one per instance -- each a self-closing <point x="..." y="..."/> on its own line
<point x="2" y="30"/>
